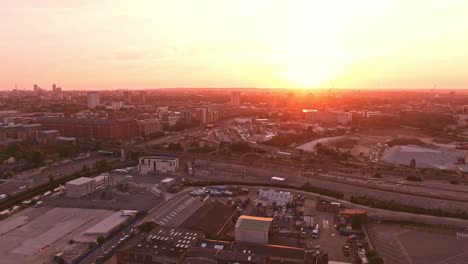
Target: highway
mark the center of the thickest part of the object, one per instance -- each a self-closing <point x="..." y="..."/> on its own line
<point x="39" y="176"/>
<point x="427" y="197"/>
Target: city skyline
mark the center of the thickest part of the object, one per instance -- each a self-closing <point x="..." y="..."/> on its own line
<point x="93" y="45"/>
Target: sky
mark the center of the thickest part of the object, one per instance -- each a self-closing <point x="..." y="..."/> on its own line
<point x="310" y="44"/>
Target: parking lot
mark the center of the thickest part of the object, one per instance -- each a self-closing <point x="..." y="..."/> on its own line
<point x="33" y="234"/>
<point x="329" y="240"/>
<point x="428" y="245"/>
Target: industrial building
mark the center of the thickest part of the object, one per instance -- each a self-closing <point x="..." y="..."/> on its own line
<point x="214" y="219"/>
<point x="331" y="117"/>
<point x="81" y="186"/>
<point x="253" y="229"/>
<point x="273" y="198"/>
<point x="162" y="245"/>
<point x="160" y="163"/>
<point x="180" y="245"/>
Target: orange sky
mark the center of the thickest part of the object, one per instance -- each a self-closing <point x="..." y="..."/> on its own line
<point x="109" y="44"/>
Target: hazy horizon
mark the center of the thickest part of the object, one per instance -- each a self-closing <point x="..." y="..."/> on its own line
<point x="117" y="44"/>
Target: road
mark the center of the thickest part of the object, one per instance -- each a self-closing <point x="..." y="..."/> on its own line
<point x="39" y="176"/>
<point x="410" y="194"/>
<point x="176" y="136"/>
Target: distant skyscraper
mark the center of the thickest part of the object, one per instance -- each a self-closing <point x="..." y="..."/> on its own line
<point x="58" y="93"/>
<point x="37" y="89"/>
<point x="94" y="99"/>
<point x="235" y="98"/>
<point x="143" y="97"/>
<point x="54" y="87"/>
<point x="127" y="97"/>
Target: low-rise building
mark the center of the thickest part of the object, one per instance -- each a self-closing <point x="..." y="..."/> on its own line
<point x="160" y="163"/>
<point x="273" y="198"/>
<point x="29" y="132"/>
<point x="162" y="245"/>
<point x="214" y="219"/>
<point x="332" y="117"/>
<point x="149" y="127"/>
<point x="253" y="229"/>
<point x="81" y="186"/>
<point x="66" y="140"/>
<point x="48" y="137"/>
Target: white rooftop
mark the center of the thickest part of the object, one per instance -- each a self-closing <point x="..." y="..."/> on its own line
<point x="167" y="180"/>
<point x="80" y="181"/>
<point x="107" y="224"/>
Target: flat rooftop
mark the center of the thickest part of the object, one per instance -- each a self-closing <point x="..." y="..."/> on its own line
<point x="80" y="181"/>
<point x="254" y="223"/>
<point x="107" y="224"/>
<point x="178" y="212"/>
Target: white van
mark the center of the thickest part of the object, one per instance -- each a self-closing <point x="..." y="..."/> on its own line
<point x="315" y="232"/>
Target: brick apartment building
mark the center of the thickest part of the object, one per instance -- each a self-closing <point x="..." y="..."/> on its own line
<point x="92" y="127"/>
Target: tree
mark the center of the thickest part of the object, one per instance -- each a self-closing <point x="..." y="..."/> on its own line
<point x="100" y="240"/>
<point x="371" y="253"/>
<point x="175" y="146"/>
<point x="240" y="147"/>
<point x="376" y="260"/>
<point x="358" y="220"/>
<point x="145" y="227"/>
<point x="36" y="157"/>
<point x="68" y="150"/>
<point x="102" y="166"/>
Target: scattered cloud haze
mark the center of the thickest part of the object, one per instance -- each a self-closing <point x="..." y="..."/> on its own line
<point x="107" y="44"/>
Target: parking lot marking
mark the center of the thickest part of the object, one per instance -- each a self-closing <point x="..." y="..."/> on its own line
<point x="325" y="224"/>
<point x="462" y="235"/>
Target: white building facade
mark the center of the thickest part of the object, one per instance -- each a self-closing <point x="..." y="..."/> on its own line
<point x="253" y="229"/>
<point x="79" y="187"/>
<point x="94" y="99"/>
<point x="164" y="164"/>
<point x="271" y="197"/>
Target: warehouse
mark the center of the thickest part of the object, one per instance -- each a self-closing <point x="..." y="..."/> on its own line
<point x="253" y="229"/>
<point x="160" y="163"/>
<point x="79" y="187"/>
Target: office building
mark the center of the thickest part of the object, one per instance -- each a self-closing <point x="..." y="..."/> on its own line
<point x="149" y="127"/>
<point x="142" y="97"/>
<point x="235" y="98"/>
<point x="127" y="97"/>
<point x="94" y="99"/>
